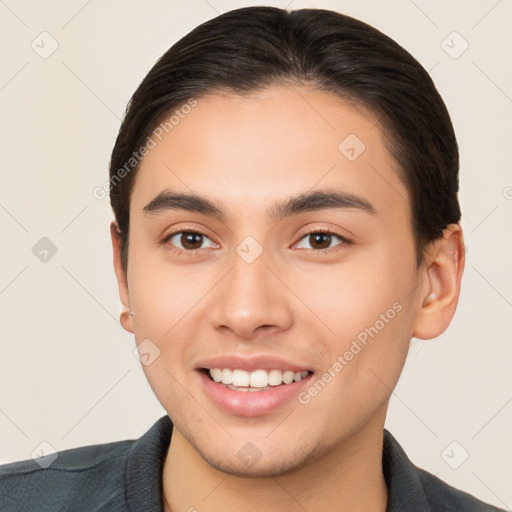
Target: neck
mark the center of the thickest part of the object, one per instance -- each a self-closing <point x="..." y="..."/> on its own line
<point x="348" y="478"/>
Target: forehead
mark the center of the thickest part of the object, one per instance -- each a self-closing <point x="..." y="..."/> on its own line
<point x="246" y="150"/>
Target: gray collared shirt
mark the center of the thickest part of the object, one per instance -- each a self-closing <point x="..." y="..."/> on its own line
<point x="126" y="476"/>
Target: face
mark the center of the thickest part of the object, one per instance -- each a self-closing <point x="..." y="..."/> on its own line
<point x="258" y="289"/>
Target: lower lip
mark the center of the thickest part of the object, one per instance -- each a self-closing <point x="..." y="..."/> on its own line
<point x="251" y="403"/>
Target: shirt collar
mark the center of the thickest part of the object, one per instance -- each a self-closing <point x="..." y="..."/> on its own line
<point x="144" y="467"/>
<point x="405" y="491"/>
<point x="146" y="457"/>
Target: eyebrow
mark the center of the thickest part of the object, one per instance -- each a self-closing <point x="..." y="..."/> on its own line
<point x="305" y="202"/>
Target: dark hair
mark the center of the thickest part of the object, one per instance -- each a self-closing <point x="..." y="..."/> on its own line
<point x="247" y="49"/>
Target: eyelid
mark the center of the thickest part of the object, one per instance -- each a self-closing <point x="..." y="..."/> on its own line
<point x="328" y="231"/>
<point x="166" y="240"/>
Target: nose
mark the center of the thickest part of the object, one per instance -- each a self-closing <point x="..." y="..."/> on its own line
<point x="251" y="300"/>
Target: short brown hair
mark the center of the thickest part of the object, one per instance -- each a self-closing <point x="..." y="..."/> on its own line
<point x="247" y="49"/>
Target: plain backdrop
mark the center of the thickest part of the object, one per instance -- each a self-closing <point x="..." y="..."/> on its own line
<point x="68" y="375"/>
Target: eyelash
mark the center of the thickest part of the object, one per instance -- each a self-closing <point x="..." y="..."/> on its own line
<point x="345" y="241"/>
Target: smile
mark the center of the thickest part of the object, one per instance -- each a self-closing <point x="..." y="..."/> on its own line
<point x="257" y="380"/>
<point x="253" y="392"/>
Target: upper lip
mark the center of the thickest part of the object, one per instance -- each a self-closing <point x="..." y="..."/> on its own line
<point x="249" y="364"/>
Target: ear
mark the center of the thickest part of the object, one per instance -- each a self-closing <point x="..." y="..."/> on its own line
<point x="122" y="280"/>
<point x="441" y="286"/>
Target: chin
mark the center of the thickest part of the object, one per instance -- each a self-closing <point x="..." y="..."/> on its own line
<point x="260" y="469"/>
<point x="270" y="462"/>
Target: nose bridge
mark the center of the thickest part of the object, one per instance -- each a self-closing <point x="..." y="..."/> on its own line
<point x="250" y="296"/>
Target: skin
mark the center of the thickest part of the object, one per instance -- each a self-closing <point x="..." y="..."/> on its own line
<point x="296" y="300"/>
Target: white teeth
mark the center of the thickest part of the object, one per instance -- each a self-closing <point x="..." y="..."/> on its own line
<point x="258" y="379"/>
<point x="240" y="378"/>
<point x="275" y="377"/>
<point x="288" y="377"/>
<point x="216" y="374"/>
<point x="227" y="376"/>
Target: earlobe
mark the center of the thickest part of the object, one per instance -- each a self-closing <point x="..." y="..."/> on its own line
<point x="441" y="289"/>
<point x="125" y="318"/>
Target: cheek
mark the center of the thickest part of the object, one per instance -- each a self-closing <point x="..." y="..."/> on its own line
<point x="162" y="294"/>
<point x="351" y="296"/>
<point x="161" y="300"/>
<point x="369" y="310"/>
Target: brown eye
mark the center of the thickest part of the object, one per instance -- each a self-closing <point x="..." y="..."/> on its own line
<point x="188" y="240"/>
<point x="191" y="241"/>
<point x="319" y="240"/>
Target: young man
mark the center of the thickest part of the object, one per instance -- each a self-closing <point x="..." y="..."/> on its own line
<point x="284" y="187"/>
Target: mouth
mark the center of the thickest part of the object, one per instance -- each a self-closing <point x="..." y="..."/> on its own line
<point x="253" y="381"/>
<point x="252" y="387"/>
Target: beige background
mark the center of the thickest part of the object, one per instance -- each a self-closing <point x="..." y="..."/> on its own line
<point x="68" y="375"/>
